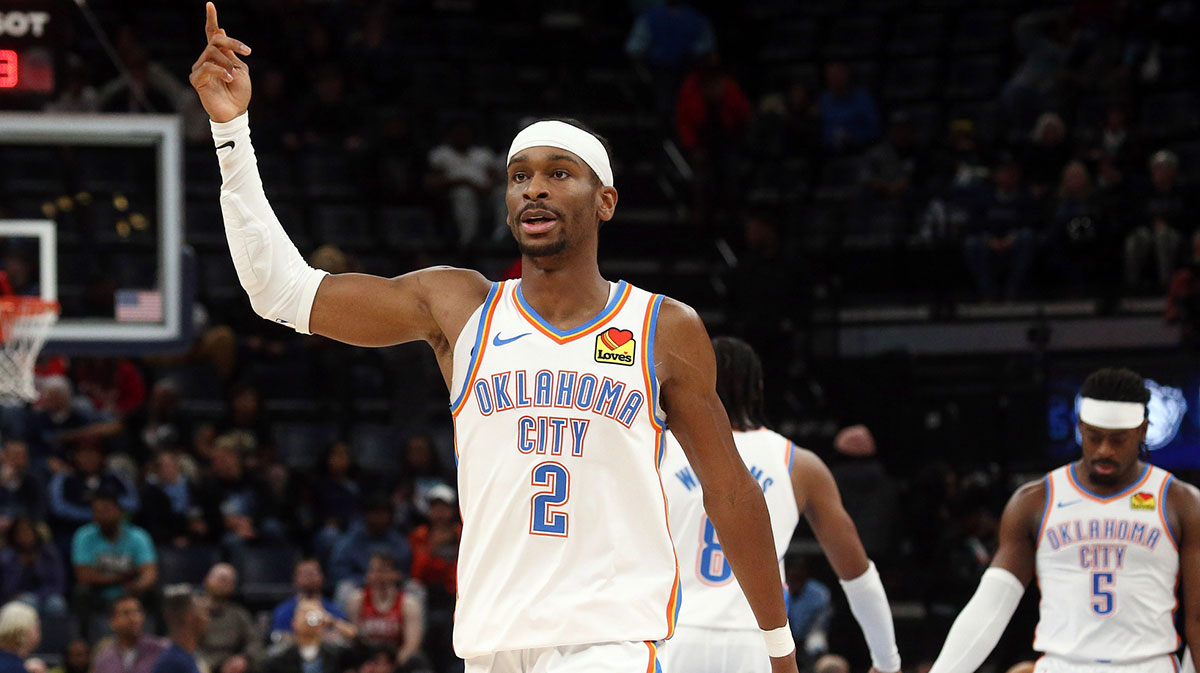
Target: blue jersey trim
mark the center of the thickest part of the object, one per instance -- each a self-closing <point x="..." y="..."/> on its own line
<point x="1162" y="509"/>
<point x="562" y="334"/>
<point x="1132" y="487"/>
<point x="656" y="408"/>
<point x="477" y="349"/>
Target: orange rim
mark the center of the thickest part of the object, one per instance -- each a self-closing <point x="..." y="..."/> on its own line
<point x="14" y="308"/>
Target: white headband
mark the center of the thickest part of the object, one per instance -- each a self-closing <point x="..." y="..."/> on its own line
<point x="565" y="137"/>
<point x="1111" y="415"/>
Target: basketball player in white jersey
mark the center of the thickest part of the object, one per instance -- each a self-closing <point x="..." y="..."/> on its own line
<point x="716" y="631"/>
<point x="1109" y="537"/>
<point x="561" y="385"/>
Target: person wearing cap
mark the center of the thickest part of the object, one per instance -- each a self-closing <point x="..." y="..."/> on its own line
<point x="20" y="633"/>
<point x="1162" y="217"/>
<point x="435" y="566"/>
<point x="1109" y="537"/>
<point x="562" y="384"/>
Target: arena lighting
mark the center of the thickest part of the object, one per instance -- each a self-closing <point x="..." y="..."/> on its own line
<point x="1167" y="409"/>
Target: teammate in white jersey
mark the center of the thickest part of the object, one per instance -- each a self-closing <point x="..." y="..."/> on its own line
<point x="562" y="384"/>
<point x="717" y="632"/>
<point x="1109" y="538"/>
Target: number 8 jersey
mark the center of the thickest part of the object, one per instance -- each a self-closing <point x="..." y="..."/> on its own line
<point x="1107" y="567"/>
<point x="558" y="438"/>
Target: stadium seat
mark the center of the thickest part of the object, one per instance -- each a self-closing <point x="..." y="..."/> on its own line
<point x="928" y="125"/>
<point x="328" y="175"/>
<point x="1173" y="114"/>
<point x="853" y="36"/>
<point x="299" y="444"/>
<point x="974" y="77"/>
<point x="344" y="226"/>
<point x="917" y="34"/>
<point x="839" y="179"/>
<point x="266" y="572"/>
<point x="409" y="229"/>
<point x="378" y="448"/>
<point x="981" y="30"/>
<point x="911" y="80"/>
<point x="186" y="565"/>
<point x="278" y="173"/>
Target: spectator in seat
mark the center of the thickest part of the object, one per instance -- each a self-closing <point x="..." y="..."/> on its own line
<point x="58" y="422"/>
<point x="244" y="500"/>
<point x="809" y="609"/>
<point x="131" y="649"/>
<point x="388" y="616"/>
<point x="665" y="39"/>
<point x="20" y="633"/>
<point x="308" y="652"/>
<point x="339" y="498"/>
<point x="788" y="123"/>
<point x="1079" y="237"/>
<point x="70" y="492"/>
<point x="1161" y="219"/>
<point x="435" y="566"/>
<point x="114" y="385"/>
<point x="186" y="616"/>
<point x="110" y="558"/>
<point x="233" y="640"/>
<point x="160" y="422"/>
<point x="172" y="510"/>
<point x="849" y="114"/>
<point x="894" y="168"/>
<point x="1001" y="230"/>
<point x="348" y="564"/>
<point x="77" y="658"/>
<point x="245" y="412"/>
<point x="32" y="571"/>
<point x="1115" y="140"/>
<point x="309" y="582"/>
<point x="467" y="175"/>
<point x="22" y="493"/>
<point x="1046" y="154"/>
<point x="859" y="470"/>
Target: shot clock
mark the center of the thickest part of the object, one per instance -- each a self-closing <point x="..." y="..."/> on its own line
<point x="28" y="41"/>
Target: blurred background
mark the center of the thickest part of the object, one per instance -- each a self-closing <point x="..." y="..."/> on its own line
<point x="932" y="219"/>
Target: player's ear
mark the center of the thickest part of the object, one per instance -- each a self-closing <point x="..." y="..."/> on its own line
<point x="606" y="203"/>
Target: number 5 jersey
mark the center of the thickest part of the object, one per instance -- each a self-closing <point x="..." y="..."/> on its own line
<point x="1107" y="567"/>
<point x="558" y="439"/>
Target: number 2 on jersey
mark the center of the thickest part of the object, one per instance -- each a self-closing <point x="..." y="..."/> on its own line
<point x="544" y="519"/>
<point x="711" y="566"/>
<point x="1102" y="601"/>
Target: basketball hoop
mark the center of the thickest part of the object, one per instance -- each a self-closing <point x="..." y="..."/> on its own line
<point x="24" y="325"/>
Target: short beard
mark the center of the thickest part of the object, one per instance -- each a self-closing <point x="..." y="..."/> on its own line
<point x="542" y="250"/>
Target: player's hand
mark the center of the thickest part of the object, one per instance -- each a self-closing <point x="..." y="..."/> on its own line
<point x="219" y="76"/>
<point x="876" y="670"/>
<point x="784" y="664"/>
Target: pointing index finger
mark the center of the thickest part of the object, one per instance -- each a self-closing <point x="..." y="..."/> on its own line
<point x="210" y="20"/>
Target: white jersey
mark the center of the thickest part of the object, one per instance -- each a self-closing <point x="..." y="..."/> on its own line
<point x="714" y="598"/>
<point x="558" y="437"/>
<point x="1107" y="568"/>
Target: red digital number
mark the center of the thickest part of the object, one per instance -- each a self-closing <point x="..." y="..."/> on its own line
<point x="8" y="68"/>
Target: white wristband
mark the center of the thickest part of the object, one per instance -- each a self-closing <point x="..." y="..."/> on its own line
<point x="779" y="641"/>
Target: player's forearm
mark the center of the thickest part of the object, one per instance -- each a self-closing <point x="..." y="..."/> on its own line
<point x="280" y="284"/>
<point x="869" y="604"/>
<point x="739" y="513"/>
<point x="981" y="623"/>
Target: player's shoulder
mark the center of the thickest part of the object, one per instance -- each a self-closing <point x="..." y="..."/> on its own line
<point x="437" y="284"/>
<point x="1182" y="493"/>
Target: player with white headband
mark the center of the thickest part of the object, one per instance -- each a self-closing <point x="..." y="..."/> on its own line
<point x="561" y="384"/>
<point x="1109" y="538"/>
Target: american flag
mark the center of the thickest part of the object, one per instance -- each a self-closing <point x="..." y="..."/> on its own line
<point x="139" y="306"/>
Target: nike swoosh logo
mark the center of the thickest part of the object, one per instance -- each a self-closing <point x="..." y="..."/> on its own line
<point x="227" y="143"/>
<point x="1068" y="504"/>
<point x="498" y="341"/>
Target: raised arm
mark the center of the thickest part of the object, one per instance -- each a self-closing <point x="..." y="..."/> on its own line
<point x="1183" y="501"/>
<point x="819" y="500"/>
<point x="429" y="305"/>
<point x="983" y="620"/>
<point x="733" y="501"/>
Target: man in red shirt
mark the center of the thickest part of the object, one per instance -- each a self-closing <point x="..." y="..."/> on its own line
<point x="384" y="613"/>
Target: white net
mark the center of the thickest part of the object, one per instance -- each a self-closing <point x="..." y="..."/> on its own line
<point x="24" y="325"/>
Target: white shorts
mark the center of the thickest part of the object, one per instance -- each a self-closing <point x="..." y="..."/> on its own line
<point x="699" y="650"/>
<point x="596" y="658"/>
<point x="1050" y="663"/>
